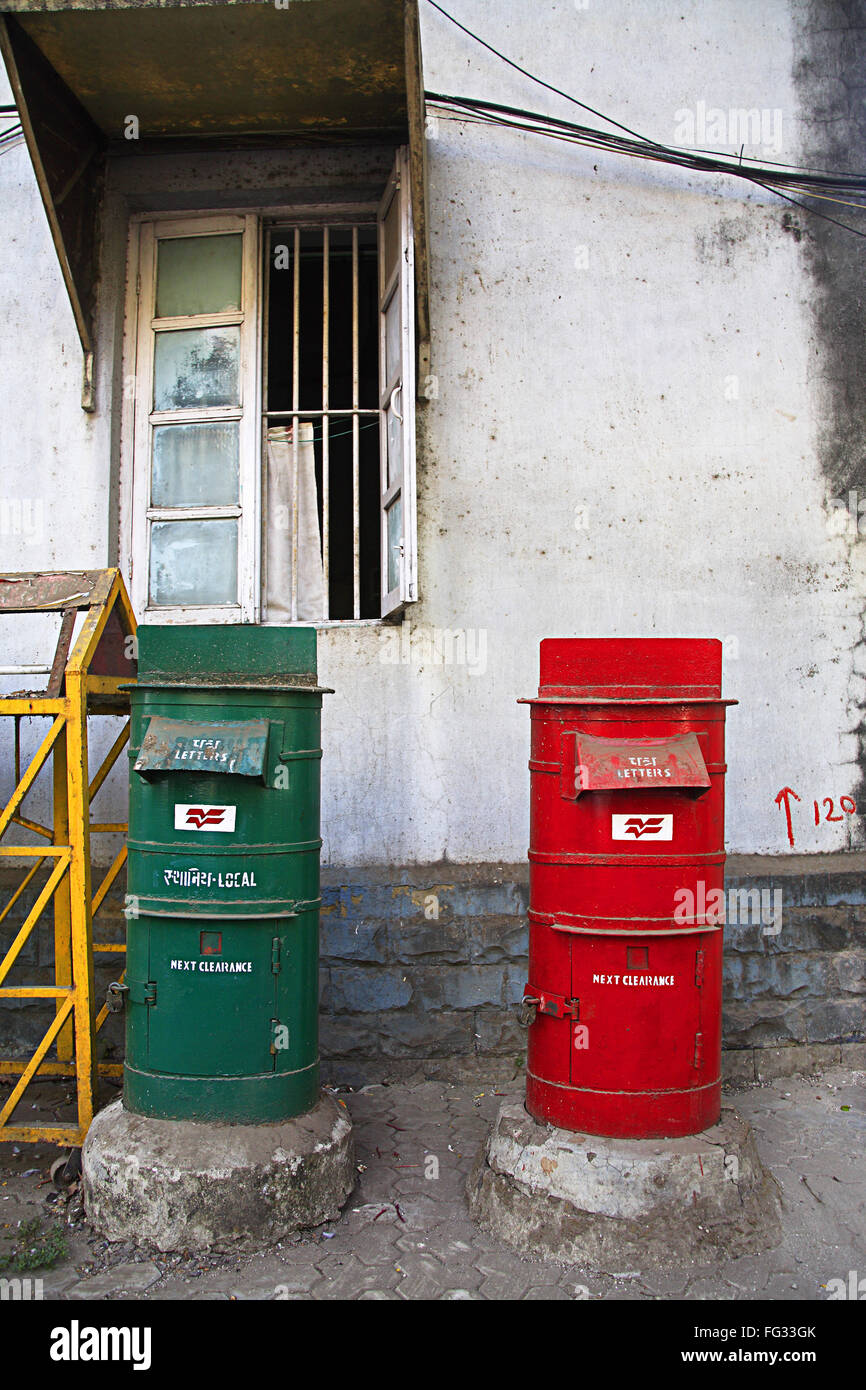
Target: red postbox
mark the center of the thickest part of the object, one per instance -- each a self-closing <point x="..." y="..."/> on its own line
<point x="627" y="849"/>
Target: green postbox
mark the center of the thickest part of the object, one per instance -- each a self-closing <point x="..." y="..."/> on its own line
<point x="221" y="984"/>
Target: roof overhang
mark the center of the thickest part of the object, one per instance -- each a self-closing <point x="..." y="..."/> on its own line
<point x="225" y="74"/>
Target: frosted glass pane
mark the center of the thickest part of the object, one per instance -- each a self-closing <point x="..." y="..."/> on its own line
<point x="395" y="447"/>
<point x="198" y="275"/>
<point x="195" y="465"/>
<point x="193" y="562"/>
<point x="196" y="367"/>
<point x="395" y="537"/>
<point x="392" y="338"/>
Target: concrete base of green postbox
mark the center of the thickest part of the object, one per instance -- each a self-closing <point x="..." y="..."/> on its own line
<point x="194" y="1185"/>
<point x="236" y="1100"/>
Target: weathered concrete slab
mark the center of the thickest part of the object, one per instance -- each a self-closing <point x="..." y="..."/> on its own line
<point x="613" y="1204"/>
<point x="178" y="1185"/>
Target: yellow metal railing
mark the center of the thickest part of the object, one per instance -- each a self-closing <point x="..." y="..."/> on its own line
<point x="86" y="680"/>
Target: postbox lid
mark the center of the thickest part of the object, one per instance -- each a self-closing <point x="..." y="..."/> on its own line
<point x="620" y="764"/>
<point x="631" y="668"/>
<point x="224" y="655"/>
<point x="182" y="745"/>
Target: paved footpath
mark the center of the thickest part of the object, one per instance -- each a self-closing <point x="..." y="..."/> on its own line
<point x="406" y="1232"/>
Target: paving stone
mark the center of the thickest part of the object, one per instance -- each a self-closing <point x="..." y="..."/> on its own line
<point x="456" y="1250"/>
<point x="295" y="1281"/>
<point x="783" y="1287"/>
<point x="419" y="1211"/>
<point x="665" y="1283"/>
<point x="120" y="1279"/>
<point x="709" y="1287"/>
<point x="353" y="1278"/>
<point x="438" y="1252"/>
<point x="580" y="1288"/>
<point x="750" y="1274"/>
<point x="421" y="1276"/>
<point x="502" y="1288"/>
<point x="57" y="1282"/>
<point x="375" y="1245"/>
<point x="504" y="1262"/>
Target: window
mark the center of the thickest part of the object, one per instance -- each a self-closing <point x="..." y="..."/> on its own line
<point x="271" y="473"/>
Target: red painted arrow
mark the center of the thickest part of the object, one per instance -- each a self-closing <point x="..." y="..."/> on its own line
<point x="784" y="795"/>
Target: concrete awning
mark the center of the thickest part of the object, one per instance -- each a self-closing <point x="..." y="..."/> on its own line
<point x="202" y="74"/>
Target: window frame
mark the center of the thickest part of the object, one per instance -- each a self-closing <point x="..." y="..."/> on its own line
<point x="143" y="419"/>
<point x="145" y="229"/>
<point x="400" y="282"/>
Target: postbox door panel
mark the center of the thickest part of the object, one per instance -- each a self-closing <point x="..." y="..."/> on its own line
<point x="297" y="997"/>
<point x="640" y="1011"/>
<point x="215" y="997"/>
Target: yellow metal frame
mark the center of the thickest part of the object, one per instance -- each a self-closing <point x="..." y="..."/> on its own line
<point x="74" y="692"/>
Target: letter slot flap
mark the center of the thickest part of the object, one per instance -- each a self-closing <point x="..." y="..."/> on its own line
<point x="180" y="745"/>
<point x="592" y="764"/>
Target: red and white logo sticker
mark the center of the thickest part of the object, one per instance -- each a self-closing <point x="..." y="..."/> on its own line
<point x="642" y="827"/>
<point x="203" y="817"/>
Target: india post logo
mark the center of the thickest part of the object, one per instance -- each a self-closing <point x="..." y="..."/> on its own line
<point x="642" y="827"/>
<point x="202" y="817"/>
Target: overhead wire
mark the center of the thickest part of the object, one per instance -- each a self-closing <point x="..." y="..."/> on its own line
<point x="772" y="177"/>
<point x="771" y="180"/>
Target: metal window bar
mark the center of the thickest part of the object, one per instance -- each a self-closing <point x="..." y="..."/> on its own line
<point x="356" y="451"/>
<point x="325" y="414"/>
<point x="296" y="375"/>
<point x="326" y="432"/>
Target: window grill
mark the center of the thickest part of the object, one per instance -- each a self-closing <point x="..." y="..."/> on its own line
<point x="321" y="370"/>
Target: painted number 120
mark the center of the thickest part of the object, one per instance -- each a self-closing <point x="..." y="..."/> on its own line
<point x="847" y="806"/>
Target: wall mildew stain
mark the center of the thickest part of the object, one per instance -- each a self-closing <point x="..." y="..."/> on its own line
<point x="830" y="76"/>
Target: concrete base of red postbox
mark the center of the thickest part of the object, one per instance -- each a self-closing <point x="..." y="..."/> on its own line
<point x="614" y="1204"/>
<point x="184" y="1185"/>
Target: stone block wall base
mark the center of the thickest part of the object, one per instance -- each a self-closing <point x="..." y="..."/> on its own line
<point x="614" y="1205"/>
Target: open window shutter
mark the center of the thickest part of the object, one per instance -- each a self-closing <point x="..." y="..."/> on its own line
<point x="397" y="391"/>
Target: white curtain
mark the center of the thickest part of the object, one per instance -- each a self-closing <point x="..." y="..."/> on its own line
<point x="278" y="560"/>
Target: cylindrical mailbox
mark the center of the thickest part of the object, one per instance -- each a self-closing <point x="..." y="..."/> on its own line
<point x="221" y="985"/>
<point x="627" y="857"/>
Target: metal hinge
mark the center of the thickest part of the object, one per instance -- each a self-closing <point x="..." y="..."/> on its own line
<point x="699" y="968"/>
<point x="88" y="394"/>
<point x="276" y="947"/>
<point x="699" y="1049"/>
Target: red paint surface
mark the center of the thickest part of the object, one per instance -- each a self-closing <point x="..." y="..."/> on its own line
<point x="626" y="1039"/>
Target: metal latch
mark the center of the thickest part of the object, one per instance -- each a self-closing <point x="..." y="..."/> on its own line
<point x="556" y="1006"/>
<point x="553" y="1005"/>
<point x="133" y="991"/>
